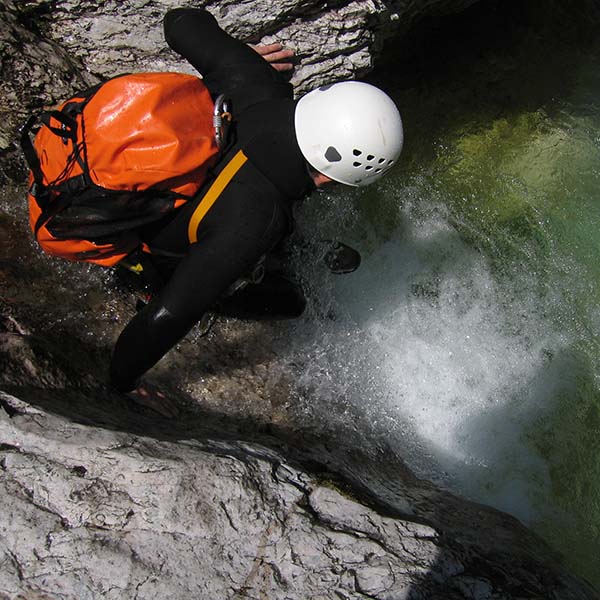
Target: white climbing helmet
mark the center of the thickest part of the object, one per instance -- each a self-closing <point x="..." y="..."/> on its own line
<point x="349" y="131"/>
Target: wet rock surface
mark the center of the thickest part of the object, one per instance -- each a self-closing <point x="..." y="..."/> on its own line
<point x="92" y="512"/>
<point x="104" y="498"/>
<point x="233" y="498"/>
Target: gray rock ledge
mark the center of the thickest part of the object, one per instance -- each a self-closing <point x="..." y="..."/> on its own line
<point x="91" y="512"/>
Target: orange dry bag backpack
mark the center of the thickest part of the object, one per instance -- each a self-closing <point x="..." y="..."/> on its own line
<point x="115" y="158"/>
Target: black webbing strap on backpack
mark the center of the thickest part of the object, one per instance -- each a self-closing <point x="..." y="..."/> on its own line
<point x="30" y="154"/>
<point x="69" y="125"/>
<point x="67" y="131"/>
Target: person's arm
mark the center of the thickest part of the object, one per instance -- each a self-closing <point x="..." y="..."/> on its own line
<point x="198" y="282"/>
<point x="245" y="223"/>
<point x="227" y="65"/>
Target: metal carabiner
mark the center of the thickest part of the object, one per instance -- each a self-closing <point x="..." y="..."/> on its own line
<point x="221" y="120"/>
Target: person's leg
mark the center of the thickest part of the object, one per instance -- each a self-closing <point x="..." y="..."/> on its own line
<point x="275" y="297"/>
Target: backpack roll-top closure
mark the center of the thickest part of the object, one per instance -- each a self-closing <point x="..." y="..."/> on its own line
<point x="163" y="123"/>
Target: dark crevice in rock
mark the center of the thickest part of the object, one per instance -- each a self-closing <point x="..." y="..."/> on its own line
<point x="31" y="15"/>
<point x="8" y="447"/>
<point x="11" y="411"/>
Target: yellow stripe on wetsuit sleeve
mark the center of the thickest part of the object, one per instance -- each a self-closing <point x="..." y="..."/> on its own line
<point x="214" y="191"/>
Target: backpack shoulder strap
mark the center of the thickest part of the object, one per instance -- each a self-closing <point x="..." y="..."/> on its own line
<point x="214" y="191"/>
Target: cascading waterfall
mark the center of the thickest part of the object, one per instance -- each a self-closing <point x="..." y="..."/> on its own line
<point x="468" y="339"/>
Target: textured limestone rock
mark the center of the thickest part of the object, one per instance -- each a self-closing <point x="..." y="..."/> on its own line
<point x="335" y="40"/>
<point x="103" y="499"/>
<point x="90" y="512"/>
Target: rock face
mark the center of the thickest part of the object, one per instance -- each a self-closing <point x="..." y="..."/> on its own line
<point x="336" y="40"/>
<point x="102" y="499"/>
<point x="90" y="512"/>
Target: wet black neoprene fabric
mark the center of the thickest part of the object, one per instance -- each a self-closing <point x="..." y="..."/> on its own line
<point x="251" y="216"/>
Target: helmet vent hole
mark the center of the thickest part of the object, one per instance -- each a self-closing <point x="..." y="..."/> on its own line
<point x="356" y="152"/>
<point x="356" y="164"/>
<point x="377" y="170"/>
<point x="332" y="155"/>
<point x="368" y="167"/>
<point x="390" y="163"/>
<point x="370" y="157"/>
<point x="381" y="161"/>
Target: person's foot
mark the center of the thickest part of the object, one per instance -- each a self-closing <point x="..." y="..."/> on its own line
<point x="151" y="397"/>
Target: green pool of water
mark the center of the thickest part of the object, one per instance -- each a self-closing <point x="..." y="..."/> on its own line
<point x="480" y="287"/>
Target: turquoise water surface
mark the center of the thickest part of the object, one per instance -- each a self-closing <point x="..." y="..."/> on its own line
<point x="469" y="336"/>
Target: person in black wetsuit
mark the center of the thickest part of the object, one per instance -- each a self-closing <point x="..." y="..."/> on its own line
<point x="275" y="150"/>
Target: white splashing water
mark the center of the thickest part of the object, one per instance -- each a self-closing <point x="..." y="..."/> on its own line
<point x="449" y="365"/>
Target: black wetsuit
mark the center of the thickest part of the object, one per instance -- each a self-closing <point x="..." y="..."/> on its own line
<point x="250" y="217"/>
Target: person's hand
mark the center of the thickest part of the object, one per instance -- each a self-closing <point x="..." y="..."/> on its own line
<point x="151" y="397"/>
<point x="276" y="55"/>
